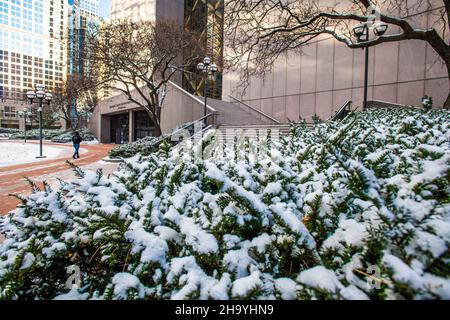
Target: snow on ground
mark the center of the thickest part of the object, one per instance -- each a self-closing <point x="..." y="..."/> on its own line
<point x="16" y="153"/>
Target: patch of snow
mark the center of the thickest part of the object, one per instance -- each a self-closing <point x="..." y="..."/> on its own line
<point x="243" y="286"/>
<point x="12" y="153"/>
<point x="123" y="282"/>
<point x="321" y="278"/>
<point x="287" y="288"/>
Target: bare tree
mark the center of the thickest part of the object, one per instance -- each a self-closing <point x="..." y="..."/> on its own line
<point x="139" y="59"/>
<point x="77" y="89"/>
<point x="259" y="31"/>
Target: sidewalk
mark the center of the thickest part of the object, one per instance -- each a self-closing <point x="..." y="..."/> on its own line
<point x="12" y="177"/>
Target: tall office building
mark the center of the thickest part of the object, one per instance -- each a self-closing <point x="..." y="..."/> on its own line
<point x="141" y="10"/>
<point x="204" y="16"/>
<point x="31" y="46"/>
<point x="84" y="16"/>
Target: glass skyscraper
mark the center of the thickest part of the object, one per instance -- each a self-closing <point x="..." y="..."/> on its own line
<point x="206" y="17"/>
<point x="31" y="46"/>
<point x="84" y="15"/>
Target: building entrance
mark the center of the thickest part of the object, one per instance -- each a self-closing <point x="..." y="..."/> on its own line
<point x="120" y="128"/>
<point x="143" y="125"/>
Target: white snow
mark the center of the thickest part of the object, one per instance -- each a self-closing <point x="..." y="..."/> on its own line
<point x="198" y="241"/>
<point x="125" y="281"/>
<point x="273" y="188"/>
<point x="350" y="233"/>
<point x="402" y="272"/>
<point x="153" y="248"/>
<point x="287" y="288"/>
<point x="12" y="153"/>
<point x="321" y="278"/>
<point x="243" y="286"/>
<point x="72" y="295"/>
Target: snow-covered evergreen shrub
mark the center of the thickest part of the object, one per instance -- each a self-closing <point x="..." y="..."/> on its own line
<point x="34" y="134"/>
<point x="356" y="210"/>
<point x="148" y="145"/>
<point x="8" y="130"/>
<point x="144" y="146"/>
<point x="66" y="137"/>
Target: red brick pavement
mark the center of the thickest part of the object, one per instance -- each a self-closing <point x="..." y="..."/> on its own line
<point x="12" y="177"/>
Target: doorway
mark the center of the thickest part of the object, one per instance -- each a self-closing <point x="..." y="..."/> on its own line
<point x="143" y="125"/>
<point x="120" y="128"/>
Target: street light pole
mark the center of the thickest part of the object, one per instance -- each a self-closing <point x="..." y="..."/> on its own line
<point x="25" y="129"/>
<point x="208" y="69"/>
<point x="361" y="31"/>
<point x="205" y="94"/>
<point x="366" y="78"/>
<point x="40" y="129"/>
<point x="41" y="95"/>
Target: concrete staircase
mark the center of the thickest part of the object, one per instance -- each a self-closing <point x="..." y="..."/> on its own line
<point x="238" y="120"/>
<point x="253" y="132"/>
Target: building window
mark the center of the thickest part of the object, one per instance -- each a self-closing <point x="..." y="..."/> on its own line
<point x="27" y="20"/>
<point x="9" y="112"/>
<point x="15" y="16"/>
<point x="4" y="19"/>
<point x="15" y="68"/>
<point x="4" y="67"/>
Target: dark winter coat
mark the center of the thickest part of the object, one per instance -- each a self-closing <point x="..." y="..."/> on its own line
<point x="76" y="139"/>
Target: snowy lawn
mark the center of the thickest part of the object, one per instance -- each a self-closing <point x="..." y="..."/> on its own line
<point x="14" y="153"/>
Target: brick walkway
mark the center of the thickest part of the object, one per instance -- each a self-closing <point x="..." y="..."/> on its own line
<point x="12" y="177"/>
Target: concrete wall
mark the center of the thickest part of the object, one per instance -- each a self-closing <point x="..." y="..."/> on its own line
<point x="326" y="74"/>
<point x="170" y="10"/>
<point x="147" y="10"/>
<point x="179" y="108"/>
<point x="133" y="10"/>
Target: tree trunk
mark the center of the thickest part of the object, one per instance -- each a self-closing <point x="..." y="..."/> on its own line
<point x="156" y="119"/>
<point x="158" y="131"/>
<point x="447" y="102"/>
<point x="443" y="50"/>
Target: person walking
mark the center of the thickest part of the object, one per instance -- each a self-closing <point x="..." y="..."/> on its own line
<point x="76" y="139"/>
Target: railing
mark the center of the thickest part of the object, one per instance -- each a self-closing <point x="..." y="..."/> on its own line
<point x="256" y="110"/>
<point x="211" y="109"/>
<point x="207" y="121"/>
<point x="343" y="112"/>
<point x="384" y="104"/>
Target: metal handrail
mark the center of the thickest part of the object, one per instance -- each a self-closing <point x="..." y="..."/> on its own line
<point x="256" y="110"/>
<point x="201" y="120"/>
<point x="342" y="112"/>
<point x="387" y="103"/>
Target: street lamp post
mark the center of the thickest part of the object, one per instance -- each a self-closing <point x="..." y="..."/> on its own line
<point x="26" y="114"/>
<point x="208" y="69"/>
<point x="42" y="96"/>
<point x="362" y="34"/>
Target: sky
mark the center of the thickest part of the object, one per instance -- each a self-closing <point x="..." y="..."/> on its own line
<point x="104" y="8"/>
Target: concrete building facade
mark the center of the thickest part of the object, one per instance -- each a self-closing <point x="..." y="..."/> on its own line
<point x="316" y="81"/>
<point x="326" y="74"/>
<point x="120" y="121"/>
